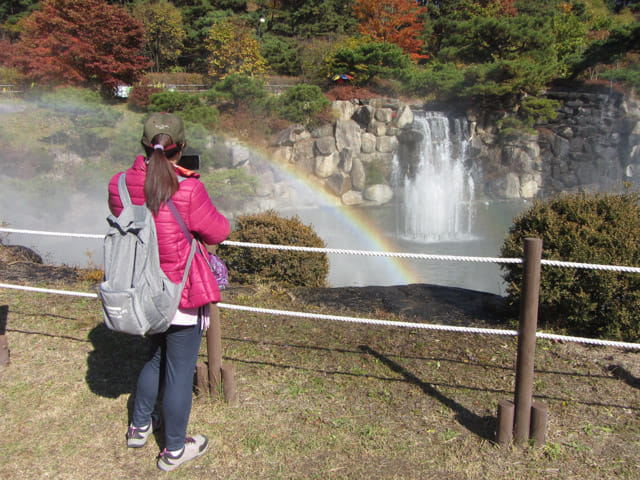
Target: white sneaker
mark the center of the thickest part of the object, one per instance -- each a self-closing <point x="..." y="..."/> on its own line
<point x="137" y="437"/>
<point x="193" y="448"/>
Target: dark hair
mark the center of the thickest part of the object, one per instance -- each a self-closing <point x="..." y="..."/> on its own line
<point x="160" y="182"/>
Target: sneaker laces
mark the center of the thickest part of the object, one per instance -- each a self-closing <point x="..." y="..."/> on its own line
<point x="133" y="430"/>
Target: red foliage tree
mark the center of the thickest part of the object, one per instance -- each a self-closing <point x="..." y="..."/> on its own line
<point x="392" y="21"/>
<point x="74" y="42"/>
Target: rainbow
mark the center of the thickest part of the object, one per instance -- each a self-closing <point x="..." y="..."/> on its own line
<point x="364" y="234"/>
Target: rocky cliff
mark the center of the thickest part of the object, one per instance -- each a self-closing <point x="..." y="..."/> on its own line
<point x="593" y="145"/>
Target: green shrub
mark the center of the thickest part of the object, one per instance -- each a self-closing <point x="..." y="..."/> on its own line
<point x="84" y="121"/>
<point x="302" y="104"/>
<point x="289" y="268"/>
<point x="173" y="101"/>
<point x="596" y="229"/>
<point x="187" y="105"/>
<point x="630" y="75"/>
<point x="239" y="89"/>
<point x="204" y="115"/>
<point x="535" y="110"/>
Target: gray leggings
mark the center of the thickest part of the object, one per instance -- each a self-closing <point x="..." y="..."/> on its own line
<point x="173" y="360"/>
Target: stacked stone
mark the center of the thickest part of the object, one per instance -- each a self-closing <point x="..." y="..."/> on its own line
<point x="365" y="133"/>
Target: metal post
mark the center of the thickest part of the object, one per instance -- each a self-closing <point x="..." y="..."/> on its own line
<point x="260" y="22"/>
<point x="527" y="337"/>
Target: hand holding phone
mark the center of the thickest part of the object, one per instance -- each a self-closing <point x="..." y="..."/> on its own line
<point x="190" y="162"/>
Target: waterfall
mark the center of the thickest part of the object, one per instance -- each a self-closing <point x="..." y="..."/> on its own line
<point x="437" y="196"/>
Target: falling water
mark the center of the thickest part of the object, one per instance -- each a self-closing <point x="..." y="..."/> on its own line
<point x="437" y="199"/>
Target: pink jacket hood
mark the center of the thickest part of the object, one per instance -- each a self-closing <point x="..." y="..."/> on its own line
<point x="202" y="219"/>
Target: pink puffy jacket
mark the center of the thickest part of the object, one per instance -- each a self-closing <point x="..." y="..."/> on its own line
<point x="201" y="217"/>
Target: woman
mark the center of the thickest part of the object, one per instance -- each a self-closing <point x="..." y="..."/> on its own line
<point x="154" y="179"/>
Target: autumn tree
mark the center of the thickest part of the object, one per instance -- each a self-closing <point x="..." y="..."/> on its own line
<point x="233" y="48"/>
<point x="392" y="21"/>
<point x="75" y="42"/>
<point x="164" y="30"/>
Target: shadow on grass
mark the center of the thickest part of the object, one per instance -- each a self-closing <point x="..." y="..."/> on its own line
<point x="115" y="362"/>
<point x="509" y="368"/>
<point x="622" y="373"/>
<point x="484" y="427"/>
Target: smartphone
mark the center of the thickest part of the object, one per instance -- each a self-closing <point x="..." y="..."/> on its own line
<point x="190" y="162"/>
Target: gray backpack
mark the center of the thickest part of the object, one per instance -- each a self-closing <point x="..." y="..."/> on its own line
<point x="137" y="296"/>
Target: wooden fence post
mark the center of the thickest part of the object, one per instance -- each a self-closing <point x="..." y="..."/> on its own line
<point x="4" y="343"/>
<point x="505" y="422"/>
<point x="539" y="415"/>
<point x="529" y="298"/>
<point x="214" y="349"/>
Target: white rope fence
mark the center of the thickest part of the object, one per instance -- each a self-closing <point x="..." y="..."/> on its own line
<point x="369" y="253"/>
<point x="369" y="321"/>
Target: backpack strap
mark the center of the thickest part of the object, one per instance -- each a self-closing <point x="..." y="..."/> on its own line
<point x="190" y="238"/>
<point x="179" y="220"/>
<point x="123" y="191"/>
<point x="187" y="234"/>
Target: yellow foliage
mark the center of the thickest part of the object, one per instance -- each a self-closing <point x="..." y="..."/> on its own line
<point x="234" y="49"/>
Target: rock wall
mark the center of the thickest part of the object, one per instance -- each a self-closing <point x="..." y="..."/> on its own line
<point x="353" y="156"/>
<point x="592" y="145"/>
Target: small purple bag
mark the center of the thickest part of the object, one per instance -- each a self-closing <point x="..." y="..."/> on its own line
<point x="219" y="270"/>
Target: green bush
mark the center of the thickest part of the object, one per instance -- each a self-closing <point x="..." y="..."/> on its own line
<point x="597" y="229"/>
<point x="239" y="89"/>
<point x="204" y="115"/>
<point x="173" y="102"/>
<point x="187" y="105"/>
<point x="534" y="110"/>
<point x="302" y="104"/>
<point x="288" y="268"/>
<point x="83" y="121"/>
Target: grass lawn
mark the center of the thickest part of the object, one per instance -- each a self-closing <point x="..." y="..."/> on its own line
<point x="316" y="400"/>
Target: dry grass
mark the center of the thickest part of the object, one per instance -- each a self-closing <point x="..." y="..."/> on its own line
<point x="317" y="400"/>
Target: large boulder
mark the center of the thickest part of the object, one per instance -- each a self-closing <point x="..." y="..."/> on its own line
<point x="325" y="166"/>
<point x="358" y="175"/>
<point x="348" y="135"/>
<point x="379" y="193"/>
<point x="291" y="135"/>
<point x="338" y="183"/>
<point x="404" y="118"/>
<point x="344" y="109"/>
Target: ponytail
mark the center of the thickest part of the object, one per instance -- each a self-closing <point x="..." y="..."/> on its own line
<point x="160" y="182"/>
